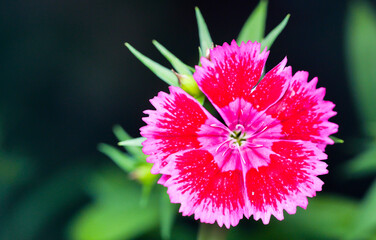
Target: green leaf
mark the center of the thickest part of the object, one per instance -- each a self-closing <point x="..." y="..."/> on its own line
<point x="123" y="160"/>
<point x="272" y="36"/>
<point x="254" y="27"/>
<point x="122" y="135"/>
<point x="365" y="220"/>
<point x="205" y="40"/>
<point x="179" y="66"/>
<point x="362" y="165"/>
<point x="163" y="73"/>
<point x="361" y="57"/>
<point x="133" y="142"/>
<point x="117" y="215"/>
<point x="167" y="214"/>
<point x="336" y="140"/>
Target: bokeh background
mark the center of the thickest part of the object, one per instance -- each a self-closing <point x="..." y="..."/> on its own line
<point x="66" y="79"/>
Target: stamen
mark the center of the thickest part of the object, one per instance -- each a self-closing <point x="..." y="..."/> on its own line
<point x="240" y="127"/>
<point x="263" y="130"/>
<point x="223" y="154"/>
<point x="232" y="145"/>
<point x="256" y="132"/>
<point x="252" y="145"/>
<point x="224" y="142"/>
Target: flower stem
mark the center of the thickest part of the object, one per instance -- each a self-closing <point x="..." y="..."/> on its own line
<point x="211" y="232"/>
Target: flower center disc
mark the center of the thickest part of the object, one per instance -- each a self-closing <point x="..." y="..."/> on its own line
<point x="238" y="135"/>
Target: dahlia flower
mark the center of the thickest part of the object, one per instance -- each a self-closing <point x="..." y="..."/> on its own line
<point x="264" y="158"/>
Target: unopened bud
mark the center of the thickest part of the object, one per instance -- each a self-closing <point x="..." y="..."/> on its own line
<point x="188" y="84"/>
<point x="143" y="175"/>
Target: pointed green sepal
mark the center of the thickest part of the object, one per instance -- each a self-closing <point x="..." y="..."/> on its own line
<point x="199" y="56"/>
<point x="179" y="66"/>
<point x="136" y="142"/>
<point x="272" y="36"/>
<point x="123" y="160"/>
<point x="254" y="27"/>
<point x="122" y="135"/>
<point x="162" y="72"/>
<point x="336" y="140"/>
<point x="205" y="40"/>
<point x="192" y="69"/>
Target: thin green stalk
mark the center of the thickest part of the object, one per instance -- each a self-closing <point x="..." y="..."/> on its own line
<point x="211" y="232"/>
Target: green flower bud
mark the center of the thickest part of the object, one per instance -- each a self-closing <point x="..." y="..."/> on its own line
<point x="188" y="84"/>
<point x="143" y="175"/>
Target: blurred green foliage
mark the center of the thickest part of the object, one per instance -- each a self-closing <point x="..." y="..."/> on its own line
<point x="39" y="205"/>
<point x="116" y="212"/>
<point x="361" y="56"/>
<point x="327" y="217"/>
<point x="121" y="210"/>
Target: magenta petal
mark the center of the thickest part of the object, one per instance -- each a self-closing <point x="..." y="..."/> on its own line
<point x="231" y="73"/>
<point x="174" y="126"/>
<point x="163" y="179"/>
<point x="303" y="112"/>
<point x="286" y="182"/>
<point x="272" y="86"/>
<point x="204" y="190"/>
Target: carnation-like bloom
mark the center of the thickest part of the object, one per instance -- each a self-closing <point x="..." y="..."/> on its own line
<point x="263" y="160"/>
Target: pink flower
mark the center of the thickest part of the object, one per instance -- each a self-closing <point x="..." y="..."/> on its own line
<point x="263" y="160"/>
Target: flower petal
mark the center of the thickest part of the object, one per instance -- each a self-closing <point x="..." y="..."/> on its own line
<point x="231" y="72"/>
<point x="271" y="87"/>
<point x="303" y="112"/>
<point x="203" y="189"/>
<point x="175" y="126"/>
<point x="286" y="182"/>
